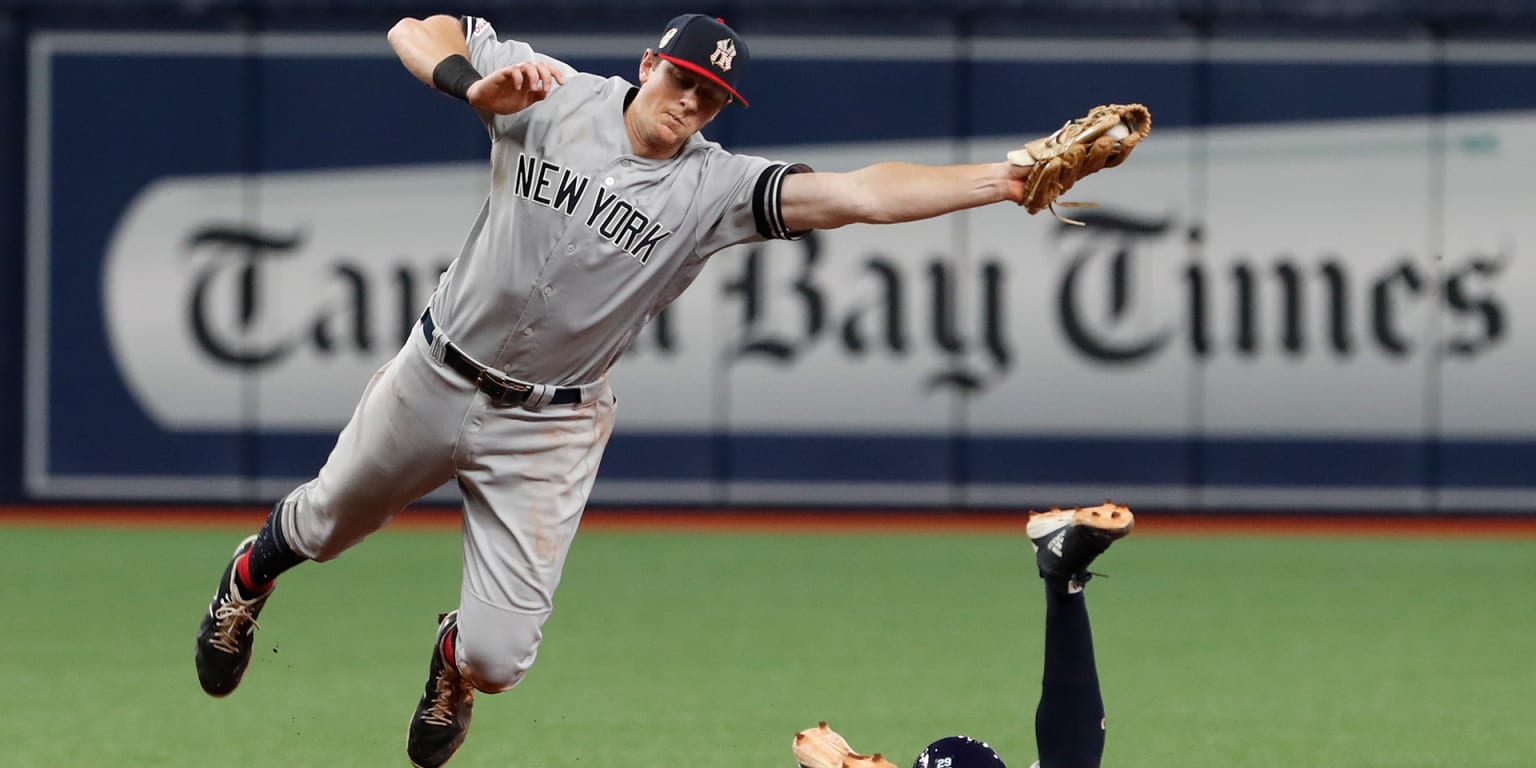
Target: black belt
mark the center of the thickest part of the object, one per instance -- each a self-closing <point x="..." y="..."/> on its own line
<point x="501" y="390"/>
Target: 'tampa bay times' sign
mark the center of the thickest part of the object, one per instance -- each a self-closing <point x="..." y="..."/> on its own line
<point x="306" y="298"/>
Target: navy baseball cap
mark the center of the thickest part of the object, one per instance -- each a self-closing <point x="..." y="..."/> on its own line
<point x="958" y="752"/>
<point x="706" y="46"/>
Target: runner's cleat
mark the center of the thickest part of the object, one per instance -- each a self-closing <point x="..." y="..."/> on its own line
<point x="1067" y="540"/>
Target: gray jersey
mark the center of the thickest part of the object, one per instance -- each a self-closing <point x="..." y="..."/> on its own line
<point x="581" y="242"/>
<point x="578" y="245"/>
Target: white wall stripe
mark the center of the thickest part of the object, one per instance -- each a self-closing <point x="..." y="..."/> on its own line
<point x="1101" y="50"/>
<point x="352" y="45"/>
<point x="39" y="106"/>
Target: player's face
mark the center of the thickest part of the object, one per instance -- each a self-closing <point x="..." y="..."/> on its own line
<point x="674" y="103"/>
<point x="708" y="98"/>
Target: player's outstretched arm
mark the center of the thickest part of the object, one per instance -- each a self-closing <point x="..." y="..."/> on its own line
<point x="886" y="193"/>
<point x="1034" y="176"/>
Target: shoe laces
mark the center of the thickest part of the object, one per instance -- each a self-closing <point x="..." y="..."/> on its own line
<point x="451" y="689"/>
<point x="232" y="618"/>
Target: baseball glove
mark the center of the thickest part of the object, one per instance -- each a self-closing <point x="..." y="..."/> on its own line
<point x="1101" y="139"/>
<point x="822" y="747"/>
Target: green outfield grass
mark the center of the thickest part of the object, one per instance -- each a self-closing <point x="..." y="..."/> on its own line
<point x="671" y="649"/>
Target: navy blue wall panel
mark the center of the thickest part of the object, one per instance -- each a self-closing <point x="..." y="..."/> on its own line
<point x="113" y="124"/>
<point x="12" y="277"/>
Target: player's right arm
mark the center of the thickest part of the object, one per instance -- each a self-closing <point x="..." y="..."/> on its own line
<point x="427" y="48"/>
<point x="422" y="44"/>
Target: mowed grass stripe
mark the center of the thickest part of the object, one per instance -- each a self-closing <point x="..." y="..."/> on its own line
<point x="668" y="647"/>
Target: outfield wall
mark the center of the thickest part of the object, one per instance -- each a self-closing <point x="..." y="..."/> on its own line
<point x="1308" y="290"/>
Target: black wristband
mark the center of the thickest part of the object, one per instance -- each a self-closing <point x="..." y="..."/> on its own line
<point x="454" y="75"/>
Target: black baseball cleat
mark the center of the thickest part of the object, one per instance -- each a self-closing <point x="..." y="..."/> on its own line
<point x="1067" y="540"/>
<point x="442" y="716"/>
<point x="228" y="631"/>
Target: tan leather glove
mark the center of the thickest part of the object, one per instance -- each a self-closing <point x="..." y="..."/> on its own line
<point x="1101" y="139"/>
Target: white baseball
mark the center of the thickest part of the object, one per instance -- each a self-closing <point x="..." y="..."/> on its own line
<point x="1119" y="131"/>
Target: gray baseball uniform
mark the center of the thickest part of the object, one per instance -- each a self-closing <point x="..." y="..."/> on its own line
<point x="579" y="243"/>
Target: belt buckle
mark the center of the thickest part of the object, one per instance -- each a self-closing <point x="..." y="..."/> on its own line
<point x="506" y="393"/>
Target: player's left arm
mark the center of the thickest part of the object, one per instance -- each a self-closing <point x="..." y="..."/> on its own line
<point x="886" y="193"/>
<point x="1034" y="176"/>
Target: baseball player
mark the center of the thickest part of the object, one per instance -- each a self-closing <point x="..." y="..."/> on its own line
<point x="604" y="204"/>
<point x="1069" y="721"/>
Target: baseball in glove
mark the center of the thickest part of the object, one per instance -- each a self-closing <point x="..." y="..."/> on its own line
<point x="822" y="747"/>
<point x="1101" y="139"/>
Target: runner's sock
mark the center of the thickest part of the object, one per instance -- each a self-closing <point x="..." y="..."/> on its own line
<point x="1069" y="723"/>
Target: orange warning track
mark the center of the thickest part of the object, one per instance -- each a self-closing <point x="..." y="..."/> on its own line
<point x="810" y="520"/>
